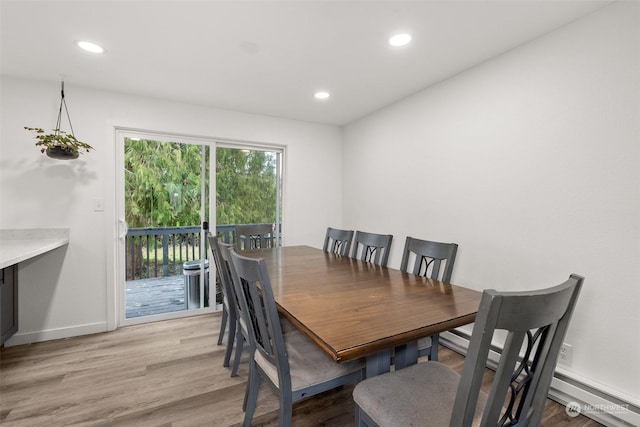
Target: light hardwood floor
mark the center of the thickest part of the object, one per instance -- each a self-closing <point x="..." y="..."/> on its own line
<point x="160" y="374"/>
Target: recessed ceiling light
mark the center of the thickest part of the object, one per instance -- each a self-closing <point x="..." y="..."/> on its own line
<point x="90" y="47"/>
<point x="321" y="95"/>
<point x="400" y="40"/>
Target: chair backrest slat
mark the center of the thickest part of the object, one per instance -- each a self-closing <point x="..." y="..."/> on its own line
<point x="254" y="236"/>
<point x="373" y="247"/>
<point x="338" y="241"/>
<point x="428" y="258"/>
<point x="225" y="255"/>
<point x="223" y="274"/>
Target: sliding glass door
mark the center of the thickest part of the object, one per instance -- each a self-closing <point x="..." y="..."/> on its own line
<point x="168" y="184"/>
<point x="163" y="250"/>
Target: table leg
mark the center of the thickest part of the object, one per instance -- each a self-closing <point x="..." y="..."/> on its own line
<point x="406" y="355"/>
<point x="378" y="363"/>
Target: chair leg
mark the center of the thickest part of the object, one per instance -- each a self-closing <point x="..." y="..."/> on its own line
<point x="251" y="394"/>
<point x="362" y="418"/>
<point x="238" y="355"/>
<point x="233" y="325"/>
<point x="435" y="341"/>
<point x="223" y="326"/>
<point x="286" y="408"/>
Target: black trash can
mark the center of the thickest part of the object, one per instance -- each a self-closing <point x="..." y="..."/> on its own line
<point x="191" y="271"/>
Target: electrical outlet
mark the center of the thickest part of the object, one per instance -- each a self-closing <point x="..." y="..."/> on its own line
<point x="566" y="354"/>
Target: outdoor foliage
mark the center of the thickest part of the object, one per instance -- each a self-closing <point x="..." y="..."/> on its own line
<point x="162" y="185"/>
<point x="245" y="187"/>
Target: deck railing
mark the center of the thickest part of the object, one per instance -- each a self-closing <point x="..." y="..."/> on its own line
<point x="161" y="251"/>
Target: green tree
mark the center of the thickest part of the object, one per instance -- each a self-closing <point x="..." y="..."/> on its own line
<point x="245" y="186"/>
<point x="162" y="183"/>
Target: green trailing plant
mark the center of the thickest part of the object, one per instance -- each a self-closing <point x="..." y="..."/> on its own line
<point x="59" y="139"/>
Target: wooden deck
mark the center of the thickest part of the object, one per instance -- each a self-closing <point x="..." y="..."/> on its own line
<point x="145" y="297"/>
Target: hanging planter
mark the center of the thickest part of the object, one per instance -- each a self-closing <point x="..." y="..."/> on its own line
<point x="62" y="153"/>
<point x="60" y="144"/>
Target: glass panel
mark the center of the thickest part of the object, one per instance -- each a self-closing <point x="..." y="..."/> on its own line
<point x="165" y="190"/>
<point x="248" y="190"/>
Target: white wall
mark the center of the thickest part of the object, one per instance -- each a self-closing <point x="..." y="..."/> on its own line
<point x="66" y="292"/>
<point x="530" y="162"/>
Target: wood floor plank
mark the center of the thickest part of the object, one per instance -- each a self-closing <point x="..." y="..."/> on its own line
<point x="166" y="373"/>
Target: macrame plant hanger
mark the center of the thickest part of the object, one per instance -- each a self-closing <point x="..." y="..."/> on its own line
<point x="66" y="110"/>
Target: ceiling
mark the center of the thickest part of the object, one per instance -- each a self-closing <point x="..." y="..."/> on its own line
<point x="269" y="57"/>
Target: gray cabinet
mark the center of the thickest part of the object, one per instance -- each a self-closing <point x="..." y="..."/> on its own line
<point x="8" y="302"/>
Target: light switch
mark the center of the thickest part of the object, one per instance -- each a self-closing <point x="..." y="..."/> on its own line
<point x="98" y="204"/>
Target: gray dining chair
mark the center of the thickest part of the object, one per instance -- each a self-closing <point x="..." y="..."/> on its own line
<point x="428" y="258"/>
<point x="241" y="333"/>
<point x="254" y="236"/>
<point x="372" y="247"/>
<point x="291" y="364"/>
<point x="433" y="392"/>
<point x="228" y="307"/>
<point x="338" y="241"/>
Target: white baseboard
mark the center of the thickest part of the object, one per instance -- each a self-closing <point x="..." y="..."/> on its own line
<point x="53" y="334"/>
<point x="596" y="404"/>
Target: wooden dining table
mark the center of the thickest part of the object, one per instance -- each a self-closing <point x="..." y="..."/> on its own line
<point x="353" y="309"/>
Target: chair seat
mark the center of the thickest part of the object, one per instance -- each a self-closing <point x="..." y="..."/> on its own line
<point x="421" y="394"/>
<point x="309" y="365"/>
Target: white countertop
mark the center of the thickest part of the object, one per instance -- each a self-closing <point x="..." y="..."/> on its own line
<point x="18" y="245"/>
